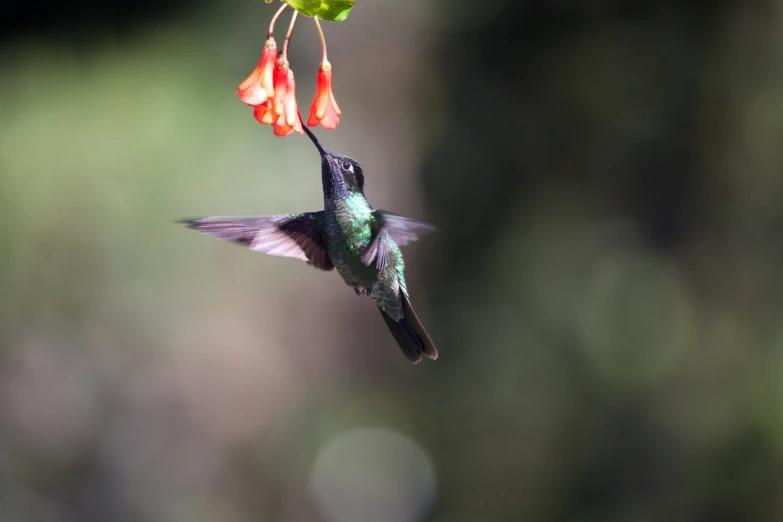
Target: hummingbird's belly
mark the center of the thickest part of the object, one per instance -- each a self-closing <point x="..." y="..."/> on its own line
<point x="349" y="264"/>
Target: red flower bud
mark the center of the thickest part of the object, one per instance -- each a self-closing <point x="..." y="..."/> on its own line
<point x="288" y="120"/>
<point x="258" y="87"/>
<point x="280" y="85"/>
<point x="324" y="109"/>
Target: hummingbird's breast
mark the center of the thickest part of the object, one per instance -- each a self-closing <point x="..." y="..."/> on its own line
<point x="348" y="229"/>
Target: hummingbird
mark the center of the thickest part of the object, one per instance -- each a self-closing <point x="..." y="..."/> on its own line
<point x="363" y="244"/>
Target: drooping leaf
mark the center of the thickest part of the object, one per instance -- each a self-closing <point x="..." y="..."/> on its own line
<point x="306" y="7"/>
<point x="335" y="10"/>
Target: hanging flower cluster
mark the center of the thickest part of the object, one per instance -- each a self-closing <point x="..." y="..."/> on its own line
<point x="271" y="89"/>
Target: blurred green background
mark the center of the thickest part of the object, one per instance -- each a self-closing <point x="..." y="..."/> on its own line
<point x="604" y="290"/>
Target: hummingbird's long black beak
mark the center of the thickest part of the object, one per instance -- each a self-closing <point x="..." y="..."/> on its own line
<point x="314" y="140"/>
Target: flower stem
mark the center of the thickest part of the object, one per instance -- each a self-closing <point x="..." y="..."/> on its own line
<point x="271" y="32"/>
<point x="323" y="40"/>
<point x="288" y="34"/>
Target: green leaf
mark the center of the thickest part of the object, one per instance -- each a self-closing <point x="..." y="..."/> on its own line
<point x="269" y="1"/>
<point x="329" y="10"/>
<point x="306" y="7"/>
<point x="335" y="10"/>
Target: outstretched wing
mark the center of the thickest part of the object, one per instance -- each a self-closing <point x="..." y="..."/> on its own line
<point x="401" y="229"/>
<point x="294" y="235"/>
<point x="389" y="225"/>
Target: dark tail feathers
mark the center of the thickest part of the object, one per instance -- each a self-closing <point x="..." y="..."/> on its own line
<point x="410" y="334"/>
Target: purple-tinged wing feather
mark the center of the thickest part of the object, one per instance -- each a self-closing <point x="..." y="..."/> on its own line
<point x="389" y="225"/>
<point x="298" y="236"/>
<point x="401" y="229"/>
<point x="378" y="250"/>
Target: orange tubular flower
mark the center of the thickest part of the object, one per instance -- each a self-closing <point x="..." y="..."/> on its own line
<point x="324" y="109"/>
<point x="258" y="87"/>
<point x="288" y="121"/>
<point x="280" y="85"/>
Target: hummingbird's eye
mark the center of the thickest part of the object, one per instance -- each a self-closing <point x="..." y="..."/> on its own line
<point x="347" y="167"/>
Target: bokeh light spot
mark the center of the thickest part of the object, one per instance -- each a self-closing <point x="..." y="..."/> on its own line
<point x="373" y="474"/>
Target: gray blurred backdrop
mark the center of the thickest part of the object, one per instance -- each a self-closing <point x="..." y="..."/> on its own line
<point x="605" y="288"/>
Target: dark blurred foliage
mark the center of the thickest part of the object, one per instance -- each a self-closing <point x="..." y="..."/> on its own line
<point x="70" y="19"/>
<point x="604" y="289"/>
<point x="570" y="116"/>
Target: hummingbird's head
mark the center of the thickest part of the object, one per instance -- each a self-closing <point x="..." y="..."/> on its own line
<point x="340" y="175"/>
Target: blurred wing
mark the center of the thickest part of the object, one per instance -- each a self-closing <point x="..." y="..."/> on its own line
<point x="297" y="235"/>
<point x="378" y="250"/>
<point x="389" y="225"/>
<point x="401" y="229"/>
